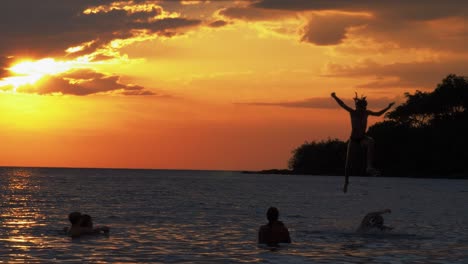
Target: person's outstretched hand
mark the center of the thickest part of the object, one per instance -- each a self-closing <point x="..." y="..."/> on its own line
<point x="333" y="94"/>
<point x="391" y="104"/>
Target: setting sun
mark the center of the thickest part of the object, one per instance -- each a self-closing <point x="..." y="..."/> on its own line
<point x="29" y="72"/>
<point x="41" y="67"/>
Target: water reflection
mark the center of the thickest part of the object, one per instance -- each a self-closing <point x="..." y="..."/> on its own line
<point x="19" y="212"/>
<point x="172" y="218"/>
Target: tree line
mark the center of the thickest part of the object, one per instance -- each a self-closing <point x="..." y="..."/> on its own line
<point x="426" y="136"/>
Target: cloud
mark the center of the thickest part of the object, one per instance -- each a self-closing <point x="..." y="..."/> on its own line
<point x="4" y="64"/>
<point x="439" y="25"/>
<point x="398" y="9"/>
<point x="322" y="28"/>
<point x="81" y="83"/>
<point x="318" y="102"/>
<point x="218" y="23"/>
<point x="49" y="27"/>
<point x="400" y="75"/>
<point x="322" y="103"/>
<point x="254" y="14"/>
<point x="331" y="28"/>
<point x="449" y="34"/>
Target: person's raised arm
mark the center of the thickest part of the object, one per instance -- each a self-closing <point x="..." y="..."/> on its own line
<point x="381" y="112"/>
<point x="341" y="103"/>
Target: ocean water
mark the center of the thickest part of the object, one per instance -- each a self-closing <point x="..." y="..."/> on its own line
<point x="164" y="216"/>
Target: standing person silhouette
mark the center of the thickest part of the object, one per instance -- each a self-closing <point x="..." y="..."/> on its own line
<point x="358" y="133"/>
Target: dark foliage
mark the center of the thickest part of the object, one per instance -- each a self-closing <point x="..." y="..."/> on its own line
<point x="424" y="137"/>
<point x="324" y="157"/>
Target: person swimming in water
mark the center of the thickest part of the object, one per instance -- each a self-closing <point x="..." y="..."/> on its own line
<point x="75" y="229"/>
<point x="275" y="231"/>
<point x="86" y="221"/>
<point x="82" y="224"/>
<point x="358" y="132"/>
<point x="374" y="221"/>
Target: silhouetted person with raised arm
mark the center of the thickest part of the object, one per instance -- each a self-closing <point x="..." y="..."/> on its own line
<point x="374" y="222"/>
<point x="275" y="231"/>
<point x="358" y="132"/>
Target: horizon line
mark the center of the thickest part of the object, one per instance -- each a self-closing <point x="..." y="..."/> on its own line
<point x="112" y="168"/>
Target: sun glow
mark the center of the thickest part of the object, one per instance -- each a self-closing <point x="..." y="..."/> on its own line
<point x="41" y="67"/>
<point x="29" y="72"/>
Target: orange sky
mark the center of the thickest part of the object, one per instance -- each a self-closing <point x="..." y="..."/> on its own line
<point x="231" y="85"/>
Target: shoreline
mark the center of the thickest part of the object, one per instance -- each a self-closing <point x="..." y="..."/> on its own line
<point x="422" y="176"/>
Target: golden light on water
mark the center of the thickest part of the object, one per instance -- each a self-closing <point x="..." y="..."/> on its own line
<point x="18" y="212"/>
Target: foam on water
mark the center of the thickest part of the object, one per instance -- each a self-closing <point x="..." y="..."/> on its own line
<point x="213" y="217"/>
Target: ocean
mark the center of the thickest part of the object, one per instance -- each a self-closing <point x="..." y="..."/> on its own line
<point x="171" y="216"/>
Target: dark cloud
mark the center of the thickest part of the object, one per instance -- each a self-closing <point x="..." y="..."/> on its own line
<point x="142" y="92"/>
<point x="302" y="5"/>
<point x="408" y="23"/>
<point x="401" y="75"/>
<point x="82" y="75"/>
<point x="163" y="25"/>
<point x="48" y="27"/>
<point x="254" y="14"/>
<point x="218" y="23"/>
<point x="398" y="9"/>
<point x="447" y="35"/>
<point x="330" y="29"/>
<point x="4" y="64"/>
<point x="319" y="102"/>
<point x="321" y="29"/>
<point x="322" y="103"/>
<point x="82" y="82"/>
<point x="102" y="57"/>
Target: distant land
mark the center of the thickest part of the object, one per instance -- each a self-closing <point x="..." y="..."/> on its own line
<point x="271" y="171"/>
<point x="290" y="172"/>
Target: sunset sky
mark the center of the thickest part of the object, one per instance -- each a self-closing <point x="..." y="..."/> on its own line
<point x="229" y="85"/>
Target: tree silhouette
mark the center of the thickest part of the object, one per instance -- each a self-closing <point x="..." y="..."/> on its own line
<point x="426" y="136"/>
<point x="320" y="157"/>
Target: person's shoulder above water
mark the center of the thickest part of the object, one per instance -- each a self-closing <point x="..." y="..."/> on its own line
<point x="374" y="221"/>
<point x="82" y="224"/>
<point x="275" y="231"/>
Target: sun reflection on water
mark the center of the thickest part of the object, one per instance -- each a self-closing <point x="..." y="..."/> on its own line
<point x="19" y="213"/>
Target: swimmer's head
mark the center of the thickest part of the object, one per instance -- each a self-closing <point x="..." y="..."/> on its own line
<point x="360" y="102"/>
<point x="74" y="217"/>
<point x="272" y="214"/>
<point x="86" y="221"/>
